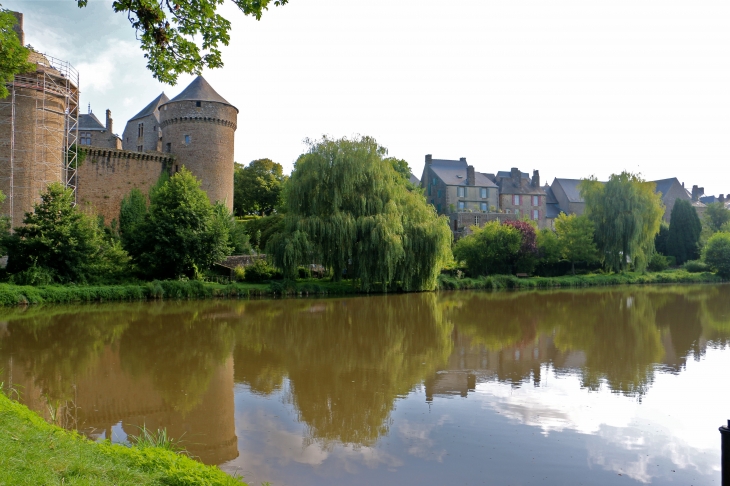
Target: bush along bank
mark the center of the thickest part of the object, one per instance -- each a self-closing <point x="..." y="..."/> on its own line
<point x="11" y="294"/>
<point x="497" y="282"/>
<point x="34" y="452"/>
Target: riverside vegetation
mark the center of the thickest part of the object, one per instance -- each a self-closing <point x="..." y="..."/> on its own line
<point x="350" y="214"/>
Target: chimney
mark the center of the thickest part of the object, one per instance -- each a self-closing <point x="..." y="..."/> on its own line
<point x="462" y="159"/>
<point x="109" y="121"/>
<point x="471" y="179"/>
<point x="18" y="27"/>
<point x="515" y="176"/>
<point x="429" y="159"/>
<point x="695" y="193"/>
<point x="535" y="178"/>
<point x="721" y="198"/>
<point x="727" y="198"/>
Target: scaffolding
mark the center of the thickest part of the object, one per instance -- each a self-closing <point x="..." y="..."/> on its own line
<point x="38" y="133"/>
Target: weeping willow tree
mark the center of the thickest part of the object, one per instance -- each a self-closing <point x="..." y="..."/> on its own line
<point x="627" y="213"/>
<point x="348" y="209"/>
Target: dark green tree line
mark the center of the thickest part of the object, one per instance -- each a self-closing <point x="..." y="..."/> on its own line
<point x="684" y="232"/>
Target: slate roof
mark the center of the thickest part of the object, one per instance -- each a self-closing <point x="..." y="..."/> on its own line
<point x="664" y="185"/>
<point x="570" y="187"/>
<point x="506" y="173"/>
<point x="152" y="108"/>
<point x="708" y="199"/>
<point x="453" y="173"/>
<point x="415" y="180"/>
<point x="551" y="199"/>
<point x="89" y="122"/>
<point x="200" y="90"/>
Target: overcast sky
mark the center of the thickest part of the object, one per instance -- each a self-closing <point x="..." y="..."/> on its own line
<point x="570" y="87"/>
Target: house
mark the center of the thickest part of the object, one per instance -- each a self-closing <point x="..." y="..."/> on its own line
<point x="93" y="133"/>
<point x="143" y="132"/>
<point x="671" y="190"/>
<point x="521" y="195"/>
<point x="567" y="194"/>
<point x="454" y="186"/>
<point x="552" y="207"/>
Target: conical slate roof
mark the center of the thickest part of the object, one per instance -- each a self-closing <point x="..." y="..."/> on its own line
<point x="200" y="90"/>
<point x="152" y="107"/>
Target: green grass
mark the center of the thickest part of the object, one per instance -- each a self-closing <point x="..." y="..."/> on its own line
<point x="34" y="452"/>
<point x="496" y="282"/>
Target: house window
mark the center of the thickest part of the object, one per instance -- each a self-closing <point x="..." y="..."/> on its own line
<point x="433" y="181"/>
<point x="483" y="192"/>
<point x="197" y="103"/>
<point x="438" y="208"/>
<point x="85" y="138"/>
<point x="140" y="129"/>
<point x="461" y="204"/>
<point x="438" y="193"/>
<point x="484" y="206"/>
<point x="168" y="147"/>
<point x="461" y="192"/>
<point x="535" y="200"/>
<point x="517" y="212"/>
<point x="535" y="214"/>
<point x="177" y="168"/>
<point x="187" y="139"/>
<point x="516" y="199"/>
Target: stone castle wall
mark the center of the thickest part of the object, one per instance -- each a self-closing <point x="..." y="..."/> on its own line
<point x="106" y="176"/>
<point x="208" y="150"/>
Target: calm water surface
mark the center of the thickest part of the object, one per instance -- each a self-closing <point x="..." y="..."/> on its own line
<point x="618" y="386"/>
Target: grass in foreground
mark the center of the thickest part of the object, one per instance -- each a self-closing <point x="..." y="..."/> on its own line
<point x="34" y="452"/>
<point x="496" y="282"/>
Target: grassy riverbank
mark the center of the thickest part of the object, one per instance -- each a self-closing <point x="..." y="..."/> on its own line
<point x="497" y="282"/>
<point x="175" y="289"/>
<point x="34" y="452"/>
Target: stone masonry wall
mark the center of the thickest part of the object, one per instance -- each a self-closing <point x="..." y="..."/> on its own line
<point x="106" y="177"/>
<point x="150" y="140"/>
<point x="208" y="150"/>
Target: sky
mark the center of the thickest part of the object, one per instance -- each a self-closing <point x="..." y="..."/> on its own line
<point x="572" y="88"/>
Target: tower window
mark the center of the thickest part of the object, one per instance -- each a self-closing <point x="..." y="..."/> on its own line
<point x="168" y="147"/>
<point x="140" y="129"/>
<point x="197" y="103"/>
<point x="187" y="139"/>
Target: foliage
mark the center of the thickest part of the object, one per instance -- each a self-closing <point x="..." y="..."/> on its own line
<point x="549" y="249"/>
<point x="260" y="271"/>
<point x="348" y="209"/>
<point x="575" y="234"/>
<point x="716" y="215"/>
<point x="237" y="237"/>
<point x="489" y="249"/>
<point x="260" y="230"/>
<point x="696" y="266"/>
<point x="626" y="213"/>
<point x="61" y="242"/>
<point x="257" y="187"/>
<point x="46" y="454"/>
<point x="717" y="253"/>
<point x="182" y="234"/>
<point x="526" y="258"/>
<point x="132" y="213"/>
<point x="658" y="263"/>
<point x="13" y="56"/>
<point x="404" y="170"/>
<point x="684" y="232"/>
<point x="660" y="240"/>
<point x="184" y="36"/>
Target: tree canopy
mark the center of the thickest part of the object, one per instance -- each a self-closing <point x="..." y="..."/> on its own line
<point x="717" y="253"/>
<point x="13" y="55"/>
<point x="716" y="215"/>
<point x="626" y="213"/>
<point x="257" y="187"/>
<point x="489" y="249"/>
<point x="575" y="234"/>
<point x="684" y="232"/>
<point x="183" y="36"/>
<point x="181" y="233"/>
<point x="348" y="209"/>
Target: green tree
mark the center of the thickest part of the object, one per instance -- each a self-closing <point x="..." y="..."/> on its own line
<point x="717" y="253"/>
<point x="489" y="249"/>
<point x="684" y="232"/>
<point x="716" y="215"/>
<point x="13" y="56"/>
<point x="548" y="247"/>
<point x="626" y="213"/>
<point x="182" y="36"/>
<point x="57" y="238"/>
<point x="257" y="187"/>
<point x="260" y="230"/>
<point x="132" y="213"/>
<point x="575" y="234"/>
<point x="660" y="240"/>
<point x="182" y="233"/>
<point x="348" y="209"/>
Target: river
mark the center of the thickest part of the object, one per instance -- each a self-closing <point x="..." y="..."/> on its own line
<point x="609" y="386"/>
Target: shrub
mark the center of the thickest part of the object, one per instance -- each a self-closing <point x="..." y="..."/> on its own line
<point x="261" y="271"/>
<point x="696" y="266"/>
<point x="304" y="272"/>
<point x="717" y="253"/>
<point x="239" y="273"/>
<point x="658" y="263"/>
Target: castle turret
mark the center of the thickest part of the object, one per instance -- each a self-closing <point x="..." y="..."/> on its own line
<point x="198" y="127"/>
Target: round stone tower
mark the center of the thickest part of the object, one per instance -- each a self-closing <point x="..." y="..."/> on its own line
<point x="198" y="126"/>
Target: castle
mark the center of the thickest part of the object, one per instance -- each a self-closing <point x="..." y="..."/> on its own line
<point x="40" y="126"/>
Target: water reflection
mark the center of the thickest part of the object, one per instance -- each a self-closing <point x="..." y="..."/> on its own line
<point x="341" y="368"/>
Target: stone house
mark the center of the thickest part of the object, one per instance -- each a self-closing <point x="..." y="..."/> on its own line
<point x="672" y="189"/>
<point x="143" y="132"/>
<point x="567" y="195"/>
<point x="93" y="133"/>
<point x="552" y="207"/>
<point x="454" y="186"/>
<point x="521" y="195"/>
